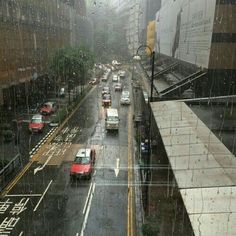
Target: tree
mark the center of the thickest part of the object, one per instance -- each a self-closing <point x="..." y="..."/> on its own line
<point x="70" y="65"/>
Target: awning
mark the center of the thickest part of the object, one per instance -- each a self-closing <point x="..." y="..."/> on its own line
<point x="204" y="169"/>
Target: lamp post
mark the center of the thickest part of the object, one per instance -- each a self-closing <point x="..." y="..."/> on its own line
<point x="148" y="161"/>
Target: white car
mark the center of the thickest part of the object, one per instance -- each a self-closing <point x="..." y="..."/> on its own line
<point x="115" y="78"/>
<point x="125" y="100"/>
<point x="125" y="93"/>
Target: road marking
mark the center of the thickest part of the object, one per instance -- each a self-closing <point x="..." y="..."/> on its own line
<point x="88" y="196"/>
<point x="21" y="233"/>
<point x="130" y="222"/>
<point x="117" y="167"/>
<point x="39" y="168"/>
<point x="42" y="195"/>
<point x="24" y="195"/>
<point x="33" y="157"/>
<point x="87" y="211"/>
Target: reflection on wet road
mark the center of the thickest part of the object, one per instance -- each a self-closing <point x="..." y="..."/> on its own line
<point x="49" y="203"/>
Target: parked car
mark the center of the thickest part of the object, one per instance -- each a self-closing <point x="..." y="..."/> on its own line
<point x="106" y="100"/>
<point x="48" y="108"/>
<point x="118" y="87"/>
<point x="106" y="90"/>
<point x="36" y="124"/>
<point x="94" y="81"/>
<point x="83" y="164"/>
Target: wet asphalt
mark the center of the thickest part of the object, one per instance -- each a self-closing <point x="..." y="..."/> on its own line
<point x="46" y="202"/>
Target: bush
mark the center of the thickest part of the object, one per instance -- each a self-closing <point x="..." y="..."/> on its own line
<point x="6" y="132"/>
<point x="60" y="117"/>
<point x="151" y="227"/>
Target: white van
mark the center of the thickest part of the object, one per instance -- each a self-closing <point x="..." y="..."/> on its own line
<point x="112" y="119"/>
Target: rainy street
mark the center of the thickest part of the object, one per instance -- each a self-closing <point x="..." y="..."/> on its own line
<point x="44" y="201"/>
<point x="117" y="117"/>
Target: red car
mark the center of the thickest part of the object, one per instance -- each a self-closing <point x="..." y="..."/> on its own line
<point x="48" y="108"/>
<point x="83" y="165"/>
<point x="36" y="124"/>
<point x="106" y="100"/>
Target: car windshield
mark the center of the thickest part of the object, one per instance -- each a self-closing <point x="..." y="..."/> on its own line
<point x="36" y="120"/>
<point x="106" y="97"/>
<point x="125" y="94"/>
<point x="113" y="118"/>
<point x="82" y="160"/>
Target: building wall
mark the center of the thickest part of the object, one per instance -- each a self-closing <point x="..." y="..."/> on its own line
<point x="223" y="45"/>
<point x="31" y="30"/>
<point x="184" y="30"/>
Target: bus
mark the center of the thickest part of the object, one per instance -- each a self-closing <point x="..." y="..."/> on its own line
<point x="112" y="119"/>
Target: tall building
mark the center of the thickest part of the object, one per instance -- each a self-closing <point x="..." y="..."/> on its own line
<point x="30" y="32"/>
<point x="201" y="33"/>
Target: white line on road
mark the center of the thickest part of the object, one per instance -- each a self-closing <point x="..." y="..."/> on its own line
<point x="24" y="195"/>
<point x="88" y="196"/>
<point x="117" y="167"/>
<point x="87" y="212"/>
<point x="21" y="233"/>
<point x="42" y="195"/>
<point x="41" y="167"/>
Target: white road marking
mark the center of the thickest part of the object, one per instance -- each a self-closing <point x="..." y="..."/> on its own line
<point x="87" y="212"/>
<point x="117" y="169"/>
<point x="39" y="168"/>
<point x="42" y="195"/>
<point x="24" y="195"/>
<point x="21" y="233"/>
<point x="88" y="196"/>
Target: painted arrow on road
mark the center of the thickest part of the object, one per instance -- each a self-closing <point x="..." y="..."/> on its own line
<point x="39" y="168"/>
<point x="117" y="169"/>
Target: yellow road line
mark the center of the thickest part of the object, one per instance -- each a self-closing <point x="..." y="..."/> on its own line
<point x="35" y="157"/>
<point x="130" y="223"/>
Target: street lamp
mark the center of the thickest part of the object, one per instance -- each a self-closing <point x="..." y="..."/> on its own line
<point x="152" y="60"/>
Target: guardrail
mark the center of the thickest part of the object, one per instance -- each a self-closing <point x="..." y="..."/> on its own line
<point x="9" y="170"/>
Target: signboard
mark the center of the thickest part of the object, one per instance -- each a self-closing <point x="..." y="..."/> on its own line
<point x="184" y="30"/>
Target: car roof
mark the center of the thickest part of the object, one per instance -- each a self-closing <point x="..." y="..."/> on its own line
<point x="37" y="116"/>
<point x="125" y="92"/>
<point x="49" y="103"/>
<point x="83" y="152"/>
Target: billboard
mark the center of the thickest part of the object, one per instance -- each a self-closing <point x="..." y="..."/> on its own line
<point x="184" y="30"/>
<point x="151" y="33"/>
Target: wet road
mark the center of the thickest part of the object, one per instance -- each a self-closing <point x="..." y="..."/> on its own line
<point x="45" y="202"/>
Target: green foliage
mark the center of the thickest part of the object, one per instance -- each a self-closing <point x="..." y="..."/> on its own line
<point x="72" y="62"/>
<point x="6" y="132"/>
<point x="60" y="117"/>
<point x="151" y="226"/>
